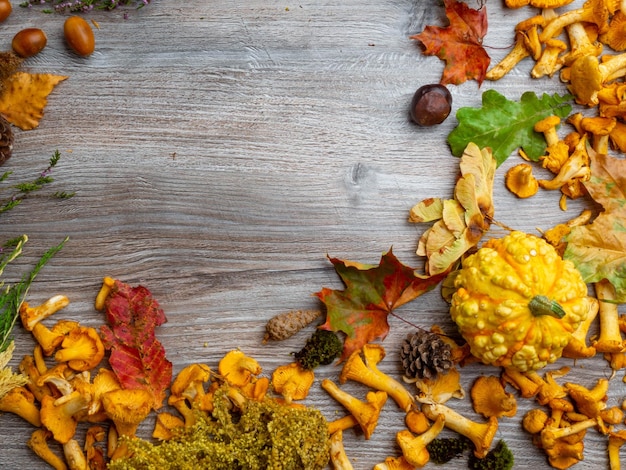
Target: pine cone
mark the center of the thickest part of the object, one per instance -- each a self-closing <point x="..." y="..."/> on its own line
<point x="6" y="140"/>
<point x="424" y="355"/>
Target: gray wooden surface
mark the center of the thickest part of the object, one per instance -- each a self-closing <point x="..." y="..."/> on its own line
<point x="220" y="150"/>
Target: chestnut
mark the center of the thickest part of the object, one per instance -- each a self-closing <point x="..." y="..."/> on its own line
<point x="431" y="104"/>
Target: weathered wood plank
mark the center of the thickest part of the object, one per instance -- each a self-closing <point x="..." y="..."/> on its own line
<point x="219" y="151"/>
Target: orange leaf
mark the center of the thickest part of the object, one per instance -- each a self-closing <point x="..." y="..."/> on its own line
<point x="459" y="44"/>
<point x="24" y="97"/>
<point x="371" y="294"/>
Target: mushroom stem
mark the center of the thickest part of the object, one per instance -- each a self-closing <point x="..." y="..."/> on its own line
<point x="593" y="11"/>
<point x="355" y="369"/>
<point x="481" y="434"/>
<point x="30" y="316"/>
<point x="610" y="339"/>
<point x="366" y="413"/>
<point x="550" y="434"/>
<point x="414" y="447"/>
<point x="338" y="453"/>
<point x="580" y="44"/>
<point x="515" y="55"/>
<point x="577" y="347"/>
<point x="38" y="443"/>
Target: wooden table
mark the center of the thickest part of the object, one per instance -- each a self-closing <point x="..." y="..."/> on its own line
<point x="219" y="152"/>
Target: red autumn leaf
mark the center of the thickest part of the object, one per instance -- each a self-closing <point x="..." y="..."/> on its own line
<point x="372" y="292"/>
<point x="137" y="357"/>
<point x="459" y="43"/>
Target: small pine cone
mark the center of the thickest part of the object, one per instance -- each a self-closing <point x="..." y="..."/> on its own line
<point x="6" y="140"/>
<point x="288" y="324"/>
<point x="424" y="355"/>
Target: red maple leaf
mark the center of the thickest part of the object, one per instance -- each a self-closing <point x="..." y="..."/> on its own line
<point x="137" y="357"/>
<point x="372" y="292"/>
<point x="459" y="43"/>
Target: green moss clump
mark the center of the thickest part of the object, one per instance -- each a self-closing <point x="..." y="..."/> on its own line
<point x="321" y="349"/>
<point x="265" y="435"/>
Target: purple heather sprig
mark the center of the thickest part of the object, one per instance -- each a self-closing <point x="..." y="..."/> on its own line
<point x="21" y="191"/>
<point x="59" y="6"/>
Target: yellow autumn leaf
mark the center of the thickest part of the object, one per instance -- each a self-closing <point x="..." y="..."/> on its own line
<point x="461" y="222"/>
<point x="24" y="97"/>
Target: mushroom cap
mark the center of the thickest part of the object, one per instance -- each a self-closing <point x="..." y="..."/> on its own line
<point x="373" y="354"/>
<point x="520" y="181"/>
<point x="489" y="398"/>
<point x="618" y="136"/>
<point x="557" y="44"/>
<point x="57" y="420"/>
<point x="516" y="3"/>
<point x="368" y="416"/>
<point x="549" y="3"/>
<point x="585" y="79"/>
<point x="615" y="37"/>
<point x="547" y="123"/>
<point x="619" y="437"/>
<point x="589" y="401"/>
<point x="525" y="25"/>
<point x="21" y="401"/>
<point x="535" y="420"/>
<point x="556" y="155"/>
<point x="237" y="368"/>
<point x="292" y="381"/>
<point x="38" y="443"/>
<point x="189" y="376"/>
<point x="164" y="424"/>
<point x="127" y="408"/>
<point x="598" y="125"/>
<point x="82" y="348"/>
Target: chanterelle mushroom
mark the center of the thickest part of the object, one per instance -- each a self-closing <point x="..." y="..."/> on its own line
<point x="30" y="316"/>
<point x="292" y="381"/>
<point x="21" y="401"/>
<point x="58" y="415"/>
<point x="615" y="36"/>
<point x="237" y="368"/>
<point x="588" y="75"/>
<point x="82" y="349"/>
<point x="38" y="443"/>
<point x="489" y="398"/>
<point x="593" y="11"/>
<point x="521" y="181"/>
<point x="366" y="413"/>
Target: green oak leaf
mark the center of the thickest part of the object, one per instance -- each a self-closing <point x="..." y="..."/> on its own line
<point x="504" y="125"/>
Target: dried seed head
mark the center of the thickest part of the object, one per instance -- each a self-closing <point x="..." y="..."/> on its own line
<point x="6" y="140"/>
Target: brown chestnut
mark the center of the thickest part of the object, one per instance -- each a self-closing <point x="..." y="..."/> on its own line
<point x="29" y="42"/>
<point x="431" y="104"/>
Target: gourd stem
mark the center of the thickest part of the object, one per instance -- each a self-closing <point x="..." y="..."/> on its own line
<point x="542" y="305"/>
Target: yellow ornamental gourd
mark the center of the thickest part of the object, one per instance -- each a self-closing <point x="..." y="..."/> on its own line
<point x="517" y="302"/>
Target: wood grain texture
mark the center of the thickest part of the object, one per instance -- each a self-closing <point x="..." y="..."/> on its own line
<point x="221" y="150"/>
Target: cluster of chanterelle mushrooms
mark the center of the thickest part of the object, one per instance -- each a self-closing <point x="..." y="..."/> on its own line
<point x="586" y="47"/>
